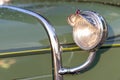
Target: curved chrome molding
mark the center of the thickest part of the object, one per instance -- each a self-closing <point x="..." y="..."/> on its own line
<point x="83" y="66"/>
<point x="56" y="57"/>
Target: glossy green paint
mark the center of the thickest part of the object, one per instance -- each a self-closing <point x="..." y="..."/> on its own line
<point x="18" y="30"/>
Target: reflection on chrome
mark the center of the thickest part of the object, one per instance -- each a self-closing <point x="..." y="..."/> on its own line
<point x="87" y="29"/>
<point x="93" y="24"/>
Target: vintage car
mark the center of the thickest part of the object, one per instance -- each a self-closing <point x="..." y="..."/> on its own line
<point x="39" y="41"/>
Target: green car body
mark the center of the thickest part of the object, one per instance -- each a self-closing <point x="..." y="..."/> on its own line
<point x="25" y="52"/>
